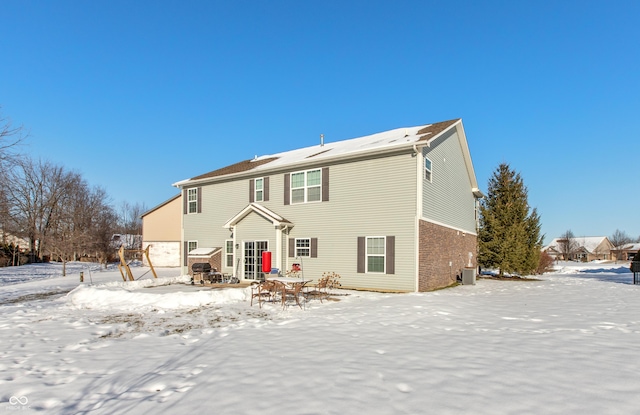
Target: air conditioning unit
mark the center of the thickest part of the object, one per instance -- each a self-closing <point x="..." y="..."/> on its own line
<point x="469" y="276"/>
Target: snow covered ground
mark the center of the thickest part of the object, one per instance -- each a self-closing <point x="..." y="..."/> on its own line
<point x="567" y="344"/>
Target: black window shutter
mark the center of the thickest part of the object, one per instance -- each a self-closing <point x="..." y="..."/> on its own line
<point x="186" y="254"/>
<point x="199" y="200"/>
<point x="314" y="247"/>
<point x="292" y="247"/>
<point x="252" y="189"/>
<point x="325" y="184"/>
<point x="287" y="189"/>
<point x="391" y="254"/>
<point x="361" y="254"/>
<point x="265" y="189"/>
<point x="185" y="202"/>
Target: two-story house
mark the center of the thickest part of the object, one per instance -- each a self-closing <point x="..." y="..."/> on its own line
<point x="391" y="211"/>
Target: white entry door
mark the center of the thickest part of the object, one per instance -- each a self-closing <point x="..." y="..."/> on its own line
<point x="253" y="259"/>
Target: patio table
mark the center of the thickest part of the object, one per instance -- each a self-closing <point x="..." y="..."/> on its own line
<point x="293" y="286"/>
<point x="289" y="280"/>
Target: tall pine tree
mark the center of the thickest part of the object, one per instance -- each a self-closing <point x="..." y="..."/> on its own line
<point x="509" y="234"/>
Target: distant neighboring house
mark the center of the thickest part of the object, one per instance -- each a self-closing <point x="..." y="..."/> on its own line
<point x="392" y="211"/>
<point x="626" y="252"/>
<point x="8" y="239"/>
<point x="585" y="249"/>
<point x="161" y="228"/>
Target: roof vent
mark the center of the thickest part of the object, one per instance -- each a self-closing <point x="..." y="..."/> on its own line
<point x="321" y="140"/>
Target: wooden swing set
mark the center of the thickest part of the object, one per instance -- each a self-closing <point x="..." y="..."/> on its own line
<point x="125" y="265"/>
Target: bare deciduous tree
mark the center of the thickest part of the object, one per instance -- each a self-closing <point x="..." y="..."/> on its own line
<point x="55" y="210"/>
<point x="83" y="225"/>
<point x="130" y="218"/>
<point x="105" y="221"/>
<point x="34" y="197"/>
<point x="618" y="239"/>
<point x="567" y="245"/>
<point x="10" y="136"/>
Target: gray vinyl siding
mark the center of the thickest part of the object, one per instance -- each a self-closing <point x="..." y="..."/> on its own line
<point x="255" y="228"/>
<point x="220" y="202"/>
<point x="374" y="197"/>
<point x="448" y="198"/>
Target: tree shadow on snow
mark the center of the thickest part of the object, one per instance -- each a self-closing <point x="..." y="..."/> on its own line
<point x="620" y="275"/>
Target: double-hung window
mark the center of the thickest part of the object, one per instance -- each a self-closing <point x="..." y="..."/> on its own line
<point x="229" y="253"/>
<point x="259" y="184"/>
<point x="192" y="200"/>
<point x="191" y="245"/>
<point x="427" y="169"/>
<point x="376" y="254"/>
<point x="303" y="247"/>
<point x="306" y="186"/>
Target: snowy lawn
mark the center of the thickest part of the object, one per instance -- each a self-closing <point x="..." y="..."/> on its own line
<point x="567" y="344"/>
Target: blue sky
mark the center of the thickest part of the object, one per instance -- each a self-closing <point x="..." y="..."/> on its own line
<point x="137" y="95"/>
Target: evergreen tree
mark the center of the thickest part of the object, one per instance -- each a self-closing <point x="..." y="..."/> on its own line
<point x="509" y="233"/>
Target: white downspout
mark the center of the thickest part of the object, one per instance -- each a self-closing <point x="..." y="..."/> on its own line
<point x="416" y="244"/>
<point x="279" y="233"/>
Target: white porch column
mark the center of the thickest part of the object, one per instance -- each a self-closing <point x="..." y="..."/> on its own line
<point x="278" y="256"/>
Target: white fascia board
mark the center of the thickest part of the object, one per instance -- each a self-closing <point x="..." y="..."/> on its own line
<point x="462" y="137"/>
<point x="466" y="154"/>
<point x="275" y="219"/>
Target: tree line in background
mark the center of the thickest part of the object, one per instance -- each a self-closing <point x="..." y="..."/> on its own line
<point x="509" y="238"/>
<point x="54" y="210"/>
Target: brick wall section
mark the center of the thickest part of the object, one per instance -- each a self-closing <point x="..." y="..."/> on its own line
<point x="215" y="261"/>
<point x="439" y="246"/>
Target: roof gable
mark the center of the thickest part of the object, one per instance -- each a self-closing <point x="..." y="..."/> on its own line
<point x="166" y="202"/>
<point x="269" y="215"/>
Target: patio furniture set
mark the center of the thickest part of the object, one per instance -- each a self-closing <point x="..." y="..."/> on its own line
<point x="290" y="290"/>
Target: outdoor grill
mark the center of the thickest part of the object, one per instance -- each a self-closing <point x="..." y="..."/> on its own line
<point x="201" y="268"/>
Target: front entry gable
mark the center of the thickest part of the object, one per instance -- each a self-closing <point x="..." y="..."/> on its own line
<point x="278" y="221"/>
<point x="256" y="229"/>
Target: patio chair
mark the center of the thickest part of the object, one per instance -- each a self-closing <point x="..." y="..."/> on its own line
<point x="264" y="291"/>
<point x="293" y="291"/>
<point x="319" y="290"/>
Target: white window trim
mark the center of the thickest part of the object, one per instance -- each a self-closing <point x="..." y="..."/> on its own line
<point x="305" y="187"/>
<point x="255" y="190"/>
<point x="227" y="254"/>
<point x="195" y="201"/>
<point x="428" y="172"/>
<point x="308" y="248"/>
<point x="367" y="255"/>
